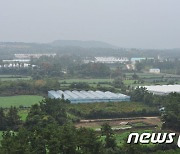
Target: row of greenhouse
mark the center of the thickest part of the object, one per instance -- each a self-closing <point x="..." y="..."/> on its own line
<point x="88" y="96"/>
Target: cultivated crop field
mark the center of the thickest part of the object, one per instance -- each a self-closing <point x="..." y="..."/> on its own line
<point x="145" y="75"/>
<point x="13" y="77"/>
<point x="134" y="122"/>
<point x="118" y="107"/>
<point x="85" y="80"/>
<point x="125" y="127"/>
<point x="22" y="100"/>
<point x="92" y="82"/>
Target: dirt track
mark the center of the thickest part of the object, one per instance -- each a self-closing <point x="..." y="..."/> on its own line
<point x="118" y="121"/>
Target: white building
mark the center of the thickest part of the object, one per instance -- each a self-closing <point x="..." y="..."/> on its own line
<point x="111" y="60"/>
<point x="17" y="61"/>
<point x="28" y="56"/>
<point x="88" y="61"/>
<point x="130" y="67"/>
<point x="139" y="59"/>
<point x="154" y="70"/>
<point x="163" y="89"/>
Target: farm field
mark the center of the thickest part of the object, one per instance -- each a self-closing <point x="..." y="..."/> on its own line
<point x="124" y="126"/>
<point x="24" y="100"/>
<point x="153" y="75"/>
<point x="85" y="80"/>
<point x="120" y="108"/>
<point x="146" y="83"/>
<point x="144" y="75"/>
<point x="148" y="79"/>
<point x="151" y="79"/>
<point x="114" y="123"/>
<point x="92" y="82"/>
<point x="13" y="77"/>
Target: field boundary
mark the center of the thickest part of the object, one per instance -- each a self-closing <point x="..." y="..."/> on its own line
<point x="116" y="119"/>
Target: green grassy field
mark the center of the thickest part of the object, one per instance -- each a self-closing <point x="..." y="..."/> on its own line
<point x="152" y="75"/>
<point x="92" y="82"/>
<point x="144" y="75"/>
<point x="85" y="80"/>
<point x="24" y="100"/>
<point x="148" y="79"/>
<point x="23" y="114"/>
<point x="13" y="77"/>
<point x="121" y="137"/>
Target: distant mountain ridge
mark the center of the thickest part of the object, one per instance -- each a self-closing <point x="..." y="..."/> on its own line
<point x="83" y="44"/>
<point x="82" y="49"/>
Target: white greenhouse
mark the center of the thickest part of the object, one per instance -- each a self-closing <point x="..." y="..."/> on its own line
<point x="163" y="89"/>
<point x="88" y="96"/>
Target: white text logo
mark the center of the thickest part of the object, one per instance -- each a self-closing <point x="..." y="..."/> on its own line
<point x="155" y="138"/>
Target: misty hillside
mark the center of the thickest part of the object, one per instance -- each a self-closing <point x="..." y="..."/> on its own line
<point x="83" y="44"/>
<point x="82" y="49"/>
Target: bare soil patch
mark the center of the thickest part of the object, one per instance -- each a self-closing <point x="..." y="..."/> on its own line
<point x="118" y="122"/>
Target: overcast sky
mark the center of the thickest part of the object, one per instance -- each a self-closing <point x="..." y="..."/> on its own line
<point x="125" y="23"/>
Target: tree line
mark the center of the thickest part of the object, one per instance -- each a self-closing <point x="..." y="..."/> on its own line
<point x="9" y="120"/>
<point x="170" y="105"/>
<point x="48" y="129"/>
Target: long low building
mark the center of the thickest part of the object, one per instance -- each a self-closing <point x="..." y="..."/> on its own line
<point x="29" y="56"/>
<point x="163" y="89"/>
<point x="111" y="60"/>
<point x="88" y="96"/>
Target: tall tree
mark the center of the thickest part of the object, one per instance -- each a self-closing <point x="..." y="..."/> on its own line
<point x="55" y="108"/>
<point x="13" y="119"/>
<point x="88" y="141"/>
<point x="110" y="141"/>
<point x="3" y="120"/>
<point x="171" y="117"/>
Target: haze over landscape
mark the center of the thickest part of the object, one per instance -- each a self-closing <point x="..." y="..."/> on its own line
<point x="125" y="23"/>
<point x="89" y="77"/>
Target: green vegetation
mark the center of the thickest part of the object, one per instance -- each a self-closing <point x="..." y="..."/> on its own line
<point x="23" y="113"/>
<point x="144" y="75"/>
<point x="49" y="127"/>
<point x="88" y="80"/>
<point x="110" y="141"/>
<point x="23" y="100"/>
<point x="112" y="106"/>
<point x="112" y="110"/>
<point x="122" y="137"/>
<point x="1" y="132"/>
<point x="171" y="115"/>
<point x="10" y="120"/>
<point x="27" y="87"/>
<point x="13" y="77"/>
